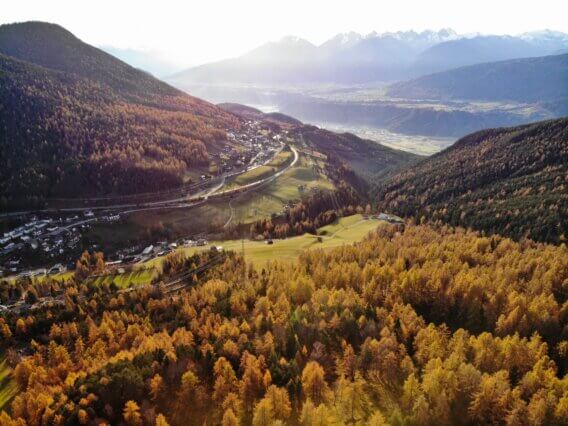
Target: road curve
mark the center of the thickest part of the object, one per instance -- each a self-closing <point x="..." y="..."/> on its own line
<point x="258" y="183"/>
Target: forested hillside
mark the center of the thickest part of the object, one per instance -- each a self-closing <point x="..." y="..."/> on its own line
<point x="77" y="121"/>
<point x="510" y="181"/>
<point x="419" y="326"/>
<point x="53" y="47"/>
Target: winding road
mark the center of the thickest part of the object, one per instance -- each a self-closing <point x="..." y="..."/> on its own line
<point x="178" y="202"/>
<point x="216" y="193"/>
<point x="246" y="188"/>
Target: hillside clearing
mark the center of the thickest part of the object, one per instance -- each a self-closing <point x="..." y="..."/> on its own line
<point x="346" y="230"/>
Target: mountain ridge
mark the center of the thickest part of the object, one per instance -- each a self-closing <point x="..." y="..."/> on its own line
<point x="544" y="80"/>
<point x="114" y="133"/>
<point x="510" y="181"/>
<point x="351" y="58"/>
<point x="34" y="42"/>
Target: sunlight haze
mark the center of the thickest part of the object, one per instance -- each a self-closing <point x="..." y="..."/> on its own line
<point x="191" y="33"/>
<point x="292" y="213"/>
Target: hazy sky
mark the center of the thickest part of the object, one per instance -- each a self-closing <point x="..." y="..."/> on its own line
<point x="192" y="32"/>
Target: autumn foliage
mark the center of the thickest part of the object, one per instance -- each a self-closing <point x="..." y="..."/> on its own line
<point x="77" y="122"/>
<point x="424" y="326"/>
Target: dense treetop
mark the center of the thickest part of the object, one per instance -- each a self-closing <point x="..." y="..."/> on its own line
<point x="417" y="326"/>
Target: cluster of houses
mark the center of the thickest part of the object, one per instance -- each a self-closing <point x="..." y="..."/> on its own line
<point x="230" y="159"/>
<point x="162" y="248"/>
<point x="137" y="254"/>
<point x="23" y="234"/>
<point x="259" y="145"/>
<point x="46" y="239"/>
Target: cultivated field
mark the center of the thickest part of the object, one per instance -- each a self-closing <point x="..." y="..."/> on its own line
<point x="136" y="277"/>
<point x="279" y="162"/>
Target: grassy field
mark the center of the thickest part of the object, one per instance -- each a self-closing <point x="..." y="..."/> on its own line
<point x="342" y="224"/>
<point x="344" y="231"/>
<point x="292" y="185"/>
<point x="134" y="278"/>
<point x="283" y="158"/>
<point x="8" y="387"/>
<point x="252" y="176"/>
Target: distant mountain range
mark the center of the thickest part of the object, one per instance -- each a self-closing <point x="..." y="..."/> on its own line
<point x="75" y="120"/>
<point x="510" y="181"/>
<point x="449" y="103"/>
<point x="388" y="80"/>
<point x="355" y="59"/>
<point x="542" y="80"/>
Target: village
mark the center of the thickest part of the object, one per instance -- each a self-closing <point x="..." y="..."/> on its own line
<point x="56" y="244"/>
<point x="50" y="243"/>
<point x="257" y="146"/>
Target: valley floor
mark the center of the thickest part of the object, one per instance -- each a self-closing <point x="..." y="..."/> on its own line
<point x="416" y="144"/>
<point x="260" y="202"/>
